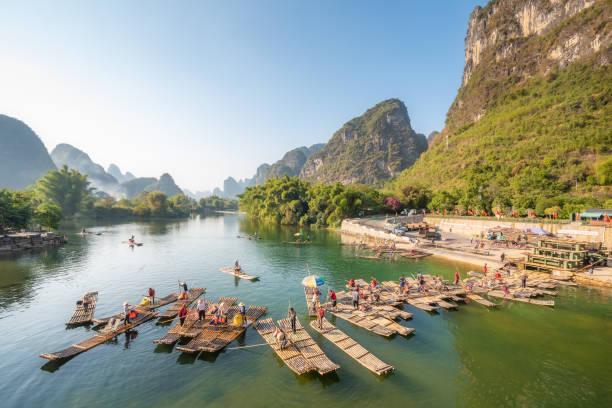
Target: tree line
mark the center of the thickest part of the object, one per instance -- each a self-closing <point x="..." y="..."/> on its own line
<point x="65" y="193"/>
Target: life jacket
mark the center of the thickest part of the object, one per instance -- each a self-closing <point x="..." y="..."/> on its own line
<point x="151" y="292"/>
<point x="332" y="296"/>
<point x="182" y="312"/>
<point x="133" y="314"/>
<point x="352" y="282"/>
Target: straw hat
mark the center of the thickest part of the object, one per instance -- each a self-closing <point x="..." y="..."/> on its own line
<point x="199" y="300"/>
<point x="125" y="303"/>
<point x="241" y="304"/>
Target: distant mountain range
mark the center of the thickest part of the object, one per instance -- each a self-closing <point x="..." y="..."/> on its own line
<point x="23" y="156"/>
<point x="24" y="159"/>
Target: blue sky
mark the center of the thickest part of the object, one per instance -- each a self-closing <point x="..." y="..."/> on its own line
<point x="204" y="90"/>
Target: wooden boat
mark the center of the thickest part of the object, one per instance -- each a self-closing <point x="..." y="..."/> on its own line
<point x="239" y="274"/>
<point x="213" y="338"/>
<point x="307" y="346"/>
<point x="352" y="348"/>
<point x="109" y="332"/>
<point x="82" y="315"/>
<point x="297" y="243"/>
<point x="290" y="355"/>
<point x="173" y="310"/>
<point x="479" y="299"/>
<point x="132" y="243"/>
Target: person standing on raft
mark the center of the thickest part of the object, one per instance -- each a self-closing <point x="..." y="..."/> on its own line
<point x="332" y="298"/>
<point x="524" y="280"/>
<point x="201" y="306"/>
<point x="292" y="318"/>
<point x="151" y="294"/>
<point x="320" y="315"/>
<point x="236" y="266"/>
<point x="182" y="314"/>
<point x="457" y="277"/>
<point x="242" y="312"/>
<point x="355" y="299"/>
<point x="126" y="312"/>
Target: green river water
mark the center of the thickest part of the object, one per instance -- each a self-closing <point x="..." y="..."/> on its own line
<point x="520" y="355"/>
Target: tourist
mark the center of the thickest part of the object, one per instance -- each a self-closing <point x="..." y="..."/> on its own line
<point x="524" y="280"/>
<point x="281" y="339"/>
<point x="457" y="277"/>
<point x="332" y="298"/>
<point x="502" y="257"/>
<point x="151" y="294"/>
<point x="497" y="275"/>
<point x="242" y="311"/>
<point x="236" y="266"/>
<point x="320" y="315"/>
<point x="355" y="299"/>
<point x="402" y="283"/>
<point x="352" y="283"/>
<point x="182" y="314"/>
<point x="292" y="319"/>
<point x="507" y="272"/>
<point x="485" y="268"/>
<point x="126" y="312"/>
<point x="506" y="291"/>
<point x="373" y="283"/>
<point x="85" y="300"/>
<point x="201" y="310"/>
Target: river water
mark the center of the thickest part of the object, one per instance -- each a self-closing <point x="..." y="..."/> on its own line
<point x="521" y="355"/>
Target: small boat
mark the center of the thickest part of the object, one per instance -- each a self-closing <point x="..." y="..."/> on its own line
<point x="297" y="243"/>
<point x="251" y="237"/>
<point x="239" y="274"/>
<point x="88" y="233"/>
<point x="130" y="243"/>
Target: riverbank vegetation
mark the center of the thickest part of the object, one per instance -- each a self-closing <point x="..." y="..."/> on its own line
<point x="65" y="194"/>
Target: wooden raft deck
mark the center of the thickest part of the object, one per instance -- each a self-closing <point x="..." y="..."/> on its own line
<point x="363" y="322"/>
<point x="158" y="303"/>
<point x="308" y="293"/>
<point x="192" y="326"/>
<point x="104" y="336"/>
<point x="82" y="315"/>
<point x="501" y="295"/>
<point x="173" y="310"/>
<point x="215" y="337"/>
<point x="290" y="355"/>
<point x="308" y="347"/>
<point x="352" y="348"/>
<point x="479" y="299"/>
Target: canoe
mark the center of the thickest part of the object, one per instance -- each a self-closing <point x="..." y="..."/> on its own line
<point x="240" y="274"/>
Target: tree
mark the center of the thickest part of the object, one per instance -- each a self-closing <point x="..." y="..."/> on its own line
<point x="158" y="203"/>
<point x="15" y="209"/>
<point x="48" y="215"/>
<point x="65" y="188"/>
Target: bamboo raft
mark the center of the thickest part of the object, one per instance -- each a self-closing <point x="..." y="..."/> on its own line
<point x="501" y="295"/>
<point x="173" y="310"/>
<point x="308" y="292"/>
<point x="159" y="302"/>
<point x="415" y="255"/>
<point x="479" y="299"/>
<point x="105" y="335"/>
<point x="213" y="338"/>
<point x="364" y="323"/>
<point x="308" y="347"/>
<point x="192" y="326"/>
<point x="290" y="355"/>
<point x="240" y="274"/>
<point x="352" y="348"/>
<point x="421" y="303"/>
<point x="82" y="315"/>
<point x="297" y="243"/>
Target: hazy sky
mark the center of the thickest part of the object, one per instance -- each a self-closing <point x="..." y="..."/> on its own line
<point x="204" y="90"/>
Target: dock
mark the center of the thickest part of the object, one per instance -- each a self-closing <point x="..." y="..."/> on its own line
<point x="308" y="347"/>
<point x="213" y="338"/>
<point x="81" y="314"/>
<point x="173" y="310"/>
<point x="352" y="348"/>
<point x="103" y="336"/>
<point x="291" y="356"/>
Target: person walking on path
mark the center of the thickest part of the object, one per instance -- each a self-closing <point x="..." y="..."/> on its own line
<point x="201" y="310"/>
<point x="292" y="319"/>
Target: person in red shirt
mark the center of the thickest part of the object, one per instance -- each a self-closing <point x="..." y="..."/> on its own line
<point x="373" y="283"/>
<point x="352" y="283"/>
<point x="497" y="275"/>
<point x="182" y="314"/>
<point x="456" y="277"/>
<point x="152" y="295"/>
<point x="332" y="297"/>
<point x="320" y="315"/>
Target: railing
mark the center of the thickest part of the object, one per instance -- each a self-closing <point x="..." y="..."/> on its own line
<point x="506" y="219"/>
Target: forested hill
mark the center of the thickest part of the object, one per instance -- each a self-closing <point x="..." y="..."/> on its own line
<point x="368" y="149"/>
<point x="532" y="121"/>
<point x="23" y="157"/>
